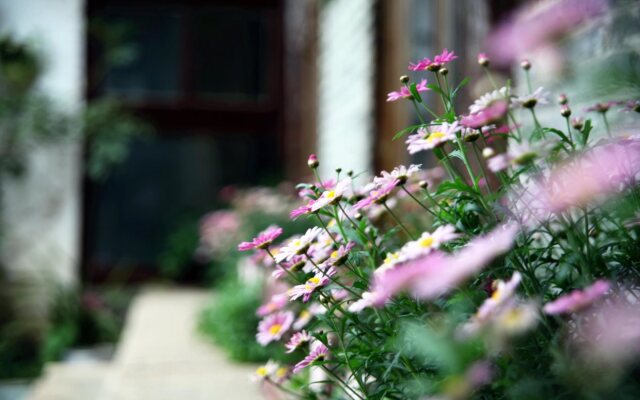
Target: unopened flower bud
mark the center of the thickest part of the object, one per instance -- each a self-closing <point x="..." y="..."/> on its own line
<point x="313" y="187"/>
<point x="488" y="152"/>
<point x="332" y="339"/>
<point x="313" y="162"/>
<point x="423" y="184"/>
<point x="577" y="123"/>
<point x="525" y="64"/>
<point x="483" y="60"/>
<point x="350" y="173"/>
<point x="565" y="111"/>
<point x="443" y="71"/>
<point x="562" y="99"/>
<point x="404" y="79"/>
<point x="338" y="170"/>
<point x="357" y="216"/>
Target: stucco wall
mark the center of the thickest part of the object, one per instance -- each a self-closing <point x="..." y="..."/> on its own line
<point x="41" y="210"/>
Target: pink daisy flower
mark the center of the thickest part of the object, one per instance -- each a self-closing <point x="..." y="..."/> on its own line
<point x="425" y="139"/>
<point x="306" y="289"/>
<point x="438" y="62"/>
<point x="319" y="352"/>
<point x="539" y="96"/>
<point x="332" y="196"/>
<point x="298" y="246"/>
<point x="487" y="116"/>
<point x="436" y="273"/>
<point x="400" y="173"/>
<point x="369" y="299"/>
<point x="338" y="257"/>
<point x="429" y="241"/>
<point x="377" y="196"/>
<point x="578" y="299"/>
<point x="405" y="93"/>
<point x="298" y="340"/>
<point x="296" y="263"/>
<point x="273" y="327"/>
<point x="302" y="210"/>
<point x="307" y="315"/>
<point x="276" y="303"/>
<point x="502" y="293"/>
<point x="263" y="240"/>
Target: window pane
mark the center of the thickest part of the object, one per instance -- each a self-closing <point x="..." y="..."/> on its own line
<point x="230" y="51"/>
<point x="166" y="181"/>
<point x="152" y="47"/>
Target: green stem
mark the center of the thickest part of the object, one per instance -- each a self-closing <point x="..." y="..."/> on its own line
<point x="395" y="218"/>
<point x="418" y="201"/>
<point x="606" y="124"/>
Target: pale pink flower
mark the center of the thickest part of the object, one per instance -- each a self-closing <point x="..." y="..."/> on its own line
<point x="298" y="246"/>
<point x="263" y="240"/>
<point x="428" y="241"/>
<point x="489" y="115"/>
<point x="376" y="196"/>
<point x="296" y="263"/>
<point x="578" y="299"/>
<point x="332" y="196"/>
<point x="536" y="24"/>
<point x="276" y="303"/>
<point x="600" y="172"/>
<point x="602" y="107"/>
<point x="405" y="93"/>
<point x="303" y="319"/>
<point x="368" y="299"/>
<point x="399" y="173"/>
<point x="340" y="256"/>
<point x="265" y="372"/>
<point x="319" y="352"/>
<point x="297" y="340"/>
<point x="488" y="99"/>
<point x="503" y="292"/>
<point x="539" y="96"/>
<point x="273" y="327"/>
<point x="436" y="273"/>
<point x="306" y="289"/>
<point x="435" y="136"/>
<point x="499" y="162"/>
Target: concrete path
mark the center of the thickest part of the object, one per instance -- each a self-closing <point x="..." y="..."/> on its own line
<point x="162" y="357"/>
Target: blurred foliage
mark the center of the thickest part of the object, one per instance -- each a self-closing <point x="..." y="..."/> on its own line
<point x="231" y="322"/>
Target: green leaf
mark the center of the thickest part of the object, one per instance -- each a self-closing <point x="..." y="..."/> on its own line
<point x="403" y="132"/>
<point x="586" y="131"/>
<point x="414" y="92"/>
<point x="460" y="86"/>
<point x="559" y="133"/>
<point x="436" y="89"/>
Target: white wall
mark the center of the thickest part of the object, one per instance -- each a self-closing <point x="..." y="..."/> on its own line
<point x="346" y="86"/>
<point x="41" y="211"/>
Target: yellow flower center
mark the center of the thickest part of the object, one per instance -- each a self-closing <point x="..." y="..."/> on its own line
<point x="426" y="242"/>
<point x="391" y="257"/>
<point x="512" y="318"/>
<point x="261" y="371"/>
<point x="296" y="243"/>
<point x="334" y="254"/>
<point x="437" y="135"/>
<point x="304" y="314"/>
<point x="312" y="283"/>
<point x="275" y="329"/>
<point x="330" y="194"/>
<point x="281" y="372"/>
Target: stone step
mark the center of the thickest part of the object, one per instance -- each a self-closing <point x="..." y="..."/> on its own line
<point x="70" y="381"/>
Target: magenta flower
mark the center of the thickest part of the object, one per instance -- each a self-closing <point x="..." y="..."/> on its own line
<point x="436" y="273"/>
<point x="273" y="327"/>
<point x="276" y="303"/>
<point x="438" y="62"/>
<point x="297" y="340"/>
<point x="319" y="352"/>
<point x="578" y="299"/>
<point x="602" y="107"/>
<point x="377" y="196"/>
<point x="302" y="210"/>
<point x="631" y="105"/>
<point x="263" y="240"/>
<point x="404" y="92"/>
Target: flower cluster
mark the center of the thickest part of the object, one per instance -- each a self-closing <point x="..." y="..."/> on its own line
<point x="409" y="287"/>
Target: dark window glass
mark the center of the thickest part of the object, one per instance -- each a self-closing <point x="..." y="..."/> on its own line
<point x="230" y="50"/>
<point x="153" y="46"/>
<point x="166" y="181"/>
